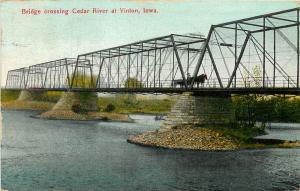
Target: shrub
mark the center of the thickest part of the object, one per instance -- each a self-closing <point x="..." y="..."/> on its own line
<point x="110" y="107"/>
<point x="76" y="107"/>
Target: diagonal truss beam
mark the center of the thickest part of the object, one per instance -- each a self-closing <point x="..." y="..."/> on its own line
<point x="200" y="60"/>
<point x="215" y="67"/>
<point x="179" y="62"/>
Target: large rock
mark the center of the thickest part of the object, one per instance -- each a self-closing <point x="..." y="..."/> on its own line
<point x="198" y="111"/>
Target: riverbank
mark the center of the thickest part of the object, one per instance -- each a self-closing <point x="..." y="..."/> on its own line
<point x="131" y="104"/>
<point x="88" y="116"/>
<point x="27" y="105"/>
<point x="46" y="107"/>
<point x="208" y="139"/>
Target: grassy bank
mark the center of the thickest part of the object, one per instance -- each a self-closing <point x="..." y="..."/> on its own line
<point x="9" y="95"/>
<point x="240" y="134"/>
<point x="42" y="103"/>
<point x="45" y="102"/>
<point x="129" y="104"/>
<point x="27" y="105"/>
<point x="248" y="108"/>
<point x="47" y="96"/>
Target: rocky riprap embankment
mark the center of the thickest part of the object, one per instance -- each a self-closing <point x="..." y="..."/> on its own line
<point x="185" y="138"/>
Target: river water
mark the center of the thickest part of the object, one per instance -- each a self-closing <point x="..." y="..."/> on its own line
<point x="59" y="155"/>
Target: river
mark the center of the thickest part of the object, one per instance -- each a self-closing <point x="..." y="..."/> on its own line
<point x="44" y="155"/>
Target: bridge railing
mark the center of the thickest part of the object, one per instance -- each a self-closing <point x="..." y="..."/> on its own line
<point x="280" y="82"/>
<point x="257" y="82"/>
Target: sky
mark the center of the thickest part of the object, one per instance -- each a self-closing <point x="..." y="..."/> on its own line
<point x="28" y="39"/>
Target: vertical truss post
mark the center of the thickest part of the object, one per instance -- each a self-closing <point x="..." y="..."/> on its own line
<point x="109" y="69"/>
<point x="26" y="84"/>
<point x="141" y="75"/>
<point x="199" y="63"/>
<point x="274" y="58"/>
<point x="128" y="67"/>
<point x="235" y="50"/>
<point x="50" y="77"/>
<point x="129" y="57"/>
<point x="148" y="69"/>
<point x="54" y="74"/>
<point x="34" y="79"/>
<point x="188" y="60"/>
<point x="264" y="51"/>
<point x="44" y="84"/>
<point x="179" y="62"/>
<point x="173" y="65"/>
<point x="12" y="81"/>
<point x="215" y="67"/>
<point x="74" y="73"/>
<point x="59" y="74"/>
<point x="119" y="68"/>
<point x="25" y="74"/>
<point x="159" y="84"/>
<point x="91" y="72"/>
<point x="23" y="77"/>
<point x="137" y="68"/>
<point x="239" y="59"/>
<point x="155" y="65"/>
<point x="101" y="64"/>
<point x="68" y="75"/>
<point x="298" y="56"/>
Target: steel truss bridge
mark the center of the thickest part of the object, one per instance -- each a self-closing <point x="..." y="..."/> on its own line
<point x="259" y="54"/>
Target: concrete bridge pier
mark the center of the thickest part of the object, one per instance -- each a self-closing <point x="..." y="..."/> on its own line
<point x="199" y="110"/>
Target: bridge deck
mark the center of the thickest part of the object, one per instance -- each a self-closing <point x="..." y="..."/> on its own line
<point x="200" y="91"/>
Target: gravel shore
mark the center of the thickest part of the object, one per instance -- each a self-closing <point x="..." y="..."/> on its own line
<point x="185" y="138"/>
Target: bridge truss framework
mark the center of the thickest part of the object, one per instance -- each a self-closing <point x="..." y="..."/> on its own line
<point x="258" y="54"/>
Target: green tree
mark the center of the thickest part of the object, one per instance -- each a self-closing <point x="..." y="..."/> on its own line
<point x="83" y="80"/>
<point x="257" y="76"/>
<point x="132" y="83"/>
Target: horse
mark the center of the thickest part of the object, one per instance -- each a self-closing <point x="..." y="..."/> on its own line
<point x="198" y="80"/>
